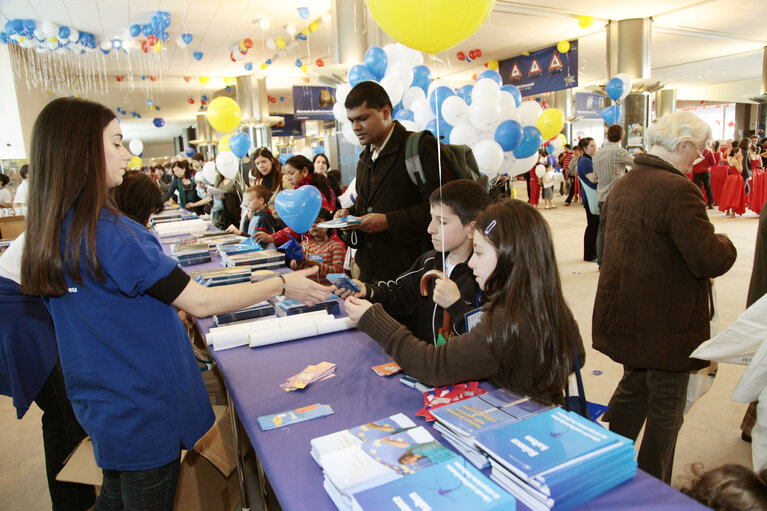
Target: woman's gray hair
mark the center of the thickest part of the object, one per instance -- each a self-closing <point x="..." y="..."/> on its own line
<point x="671" y="130"/>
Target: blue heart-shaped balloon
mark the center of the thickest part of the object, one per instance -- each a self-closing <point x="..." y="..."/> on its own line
<point x="187" y="38"/>
<point x="299" y="208"/>
<point x="239" y="144"/>
<point x="197" y="55"/>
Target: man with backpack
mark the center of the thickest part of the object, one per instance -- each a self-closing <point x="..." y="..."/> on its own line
<point x="392" y="204"/>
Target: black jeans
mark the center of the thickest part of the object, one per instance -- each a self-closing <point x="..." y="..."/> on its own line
<point x="61" y="434"/>
<point x="704" y="178"/>
<point x="571" y="193"/>
<point x="140" y="490"/>
<point x="590" y="235"/>
<point x="659" y="397"/>
<point x="600" y="235"/>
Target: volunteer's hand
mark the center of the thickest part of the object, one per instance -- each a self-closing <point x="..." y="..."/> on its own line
<point x="373" y="223"/>
<point x="299" y="287"/>
<point x="446" y="292"/>
<point x="262" y="237"/>
<point x="346" y="293"/>
<point x="356" y="307"/>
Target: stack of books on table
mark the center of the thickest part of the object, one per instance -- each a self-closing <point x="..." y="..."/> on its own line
<point x="392" y="464"/>
<point x="174" y="228"/>
<point x="287" y="307"/>
<point x="460" y="422"/>
<point x="244" y="247"/>
<point x="261" y="259"/>
<point x="215" y="239"/>
<point x="258" y="310"/>
<point x="170" y="215"/>
<point x="191" y="253"/>
<point x="557" y="459"/>
<point x="222" y="276"/>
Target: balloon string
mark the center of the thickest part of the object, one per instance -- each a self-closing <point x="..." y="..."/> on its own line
<point x="441" y="204"/>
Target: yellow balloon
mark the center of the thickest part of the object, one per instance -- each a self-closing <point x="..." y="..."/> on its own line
<point x="229" y="81"/>
<point x="563" y="138"/>
<point x="280" y="42"/>
<point x="263" y="66"/>
<point x="158" y="47"/>
<point x="550" y="123"/>
<point x="585" y="21"/>
<point x="223" y="144"/>
<point x="135" y="163"/>
<point x="493" y="64"/>
<point x="314" y="26"/>
<point x="563" y="46"/>
<point x="204" y="80"/>
<point x="430" y="25"/>
<point x="305" y="31"/>
<point x="224" y="114"/>
<point x="303" y="68"/>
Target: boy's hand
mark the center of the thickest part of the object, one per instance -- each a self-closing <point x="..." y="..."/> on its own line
<point x="356" y="307"/>
<point x="233" y="230"/>
<point x="262" y="237"/>
<point x="346" y="293"/>
<point x="446" y="293"/>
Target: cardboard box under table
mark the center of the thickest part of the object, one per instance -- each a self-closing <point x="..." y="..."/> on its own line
<point x="207" y="476"/>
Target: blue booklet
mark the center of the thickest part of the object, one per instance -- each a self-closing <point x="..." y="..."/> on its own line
<point x="453" y="485"/>
<point x="302" y="414"/>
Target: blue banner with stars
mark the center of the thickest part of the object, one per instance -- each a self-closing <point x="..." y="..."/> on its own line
<point x="542" y="71"/>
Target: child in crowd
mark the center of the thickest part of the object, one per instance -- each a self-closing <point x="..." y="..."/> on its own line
<point x="138" y="197"/>
<point x="527" y="336"/>
<point x="321" y="250"/>
<point x="257" y="218"/>
<point x="453" y="208"/>
<point x="548" y="186"/>
<point x="729" y="488"/>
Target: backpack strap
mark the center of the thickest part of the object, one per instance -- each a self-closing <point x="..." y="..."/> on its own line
<point x="413" y="159"/>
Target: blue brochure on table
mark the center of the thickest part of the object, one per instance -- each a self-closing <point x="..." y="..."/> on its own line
<point x="452" y="485"/>
<point x="302" y="414"/>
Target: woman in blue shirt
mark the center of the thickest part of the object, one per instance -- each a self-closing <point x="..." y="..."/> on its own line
<point x="589" y="192"/>
<point x="129" y="368"/>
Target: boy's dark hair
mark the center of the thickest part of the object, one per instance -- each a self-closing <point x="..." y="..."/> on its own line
<point x="198" y="157"/>
<point x="615" y="133"/>
<point x="568" y="146"/>
<point x="324" y="215"/>
<point x="261" y="192"/>
<point x="4" y="180"/>
<point x="729" y="487"/>
<point x="369" y="93"/>
<point x="24" y="170"/>
<point x="137" y="197"/>
<point x="465" y="197"/>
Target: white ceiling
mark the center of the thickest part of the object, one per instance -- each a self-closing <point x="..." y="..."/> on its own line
<point x="695" y="43"/>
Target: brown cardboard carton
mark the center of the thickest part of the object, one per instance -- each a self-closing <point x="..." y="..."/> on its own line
<point x="207" y="476"/>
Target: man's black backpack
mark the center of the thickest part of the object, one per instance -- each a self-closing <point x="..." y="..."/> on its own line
<point x="461" y="159"/>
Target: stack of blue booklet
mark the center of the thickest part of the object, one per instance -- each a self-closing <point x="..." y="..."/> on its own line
<point x="287" y="307"/>
<point x="191" y="253"/>
<point x="557" y="459"/>
<point x="258" y="310"/>
<point x="392" y="464"/>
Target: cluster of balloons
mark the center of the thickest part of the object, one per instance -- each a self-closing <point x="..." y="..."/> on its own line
<point x="46" y="36"/>
<point x="156" y="27"/>
<point x="238" y="51"/>
<point x="281" y="46"/>
<point x="184" y="39"/>
<point x="617" y="89"/>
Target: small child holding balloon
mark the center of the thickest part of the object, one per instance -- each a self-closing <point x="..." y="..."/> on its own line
<point x="548" y="186"/>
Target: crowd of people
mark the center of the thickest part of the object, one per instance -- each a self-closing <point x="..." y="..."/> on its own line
<point x="496" y="310"/>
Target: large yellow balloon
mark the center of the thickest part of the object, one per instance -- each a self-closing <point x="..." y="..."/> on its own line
<point x="204" y="80"/>
<point x="430" y="25"/>
<point x="585" y="21"/>
<point x="135" y="163"/>
<point x="280" y="42"/>
<point x="550" y="123"/>
<point x="223" y="144"/>
<point x="563" y="46"/>
<point x="224" y="114"/>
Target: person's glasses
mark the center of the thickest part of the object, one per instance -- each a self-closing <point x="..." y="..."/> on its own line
<point x="697" y="150"/>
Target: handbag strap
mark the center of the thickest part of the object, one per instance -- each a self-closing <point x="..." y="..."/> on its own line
<point x="584" y="411"/>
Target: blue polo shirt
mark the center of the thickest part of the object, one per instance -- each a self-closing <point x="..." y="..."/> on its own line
<point x="128" y="364"/>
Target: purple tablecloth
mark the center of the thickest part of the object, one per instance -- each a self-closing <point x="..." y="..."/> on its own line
<point x="357" y="395"/>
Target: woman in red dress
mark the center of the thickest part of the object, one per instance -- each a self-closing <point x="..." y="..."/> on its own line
<point x="733" y="198"/>
<point x="758" y="180"/>
<point x="718" y="172"/>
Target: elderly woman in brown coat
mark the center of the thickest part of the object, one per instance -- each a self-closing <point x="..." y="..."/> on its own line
<point x="652" y="302"/>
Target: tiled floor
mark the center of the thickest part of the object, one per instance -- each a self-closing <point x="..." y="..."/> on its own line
<point x="710" y="434"/>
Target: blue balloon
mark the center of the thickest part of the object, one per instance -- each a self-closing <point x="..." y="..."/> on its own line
<point x="405" y="115"/>
<point x="301" y="37"/>
<point x="164" y="36"/>
<point x="303" y="12"/>
<point x="285" y="157"/>
<point x="147" y="30"/>
<point x="465" y="93"/>
<point x="239" y="144"/>
<point x="376" y="61"/>
<point x="164" y="18"/>
<point x="8" y="28"/>
<point x="511" y="89"/>
<point x="248" y="66"/>
<point x="4" y="38"/>
<point x="189" y="152"/>
<point x="531" y="141"/>
<point x="550" y="149"/>
<point x="158" y="122"/>
<point x="443" y="133"/>
<point x="197" y="55"/>
<point x="438" y="96"/>
<point x="156" y="26"/>
<point x="319" y="150"/>
<point x="359" y="74"/>
<point x="508" y="134"/>
<point x="135" y="30"/>
<point x="187" y="38"/>
<point x="298" y="63"/>
<point x="204" y="97"/>
<point x="492" y="74"/>
<point x="63" y="32"/>
<point x="421" y="77"/>
<point x="18" y="26"/>
<point x="615" y="88"/>
<point x="299" y="208"/>
<point x="612" y="114"/>
<point x="30" y="25"/>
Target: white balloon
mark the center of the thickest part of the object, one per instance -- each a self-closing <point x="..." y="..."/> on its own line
<point x="410" y="95"/>
<point x="39" y="34"/>
<point x="521" y="166"/>
<point x="264" y="24"/>
<point x="52" y="45"/>
<point x="270" y="44"/>
<point x="342" y="91"/>
<point x="454" y="110"/>
<point x="290" y="29"/>
<point x="463" y="133"/>
<point x="50" y="29"/>
<point x="540" y="170"/>
<point x="227" y="164"/>
<point x="307" y="152"/>
<point x="30" y="43"/>
<point x="349" y="136"/>
<point x="556" y="142"/>
<point x="260" y="74"/>
<point x="485" y="135"/>
<point x="508" y="107"/>
<point x="486" y="88"/>
<point x="209" y="172"/>
<point x="74" y="35"/>
<point x="409" y="55"/>
<point x="136" y="146"/>
<point x="391" y="85"/>
<point x="180" y="42"/>
<point x="410" y="125"/>
<point x="392" y="52"/>
<point x="489" y="156"/>
<point x="129" y="45"/>
<point x="339" y="112"/>
<point x="529" y="111"/>
<point x="401" y="71"/>
<point x="484" y="113"/>
<point x="422" y="114"/>
<point x="627" y="84"/>
<point x="106" y="45"/>
<point x="439" y="82"/>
